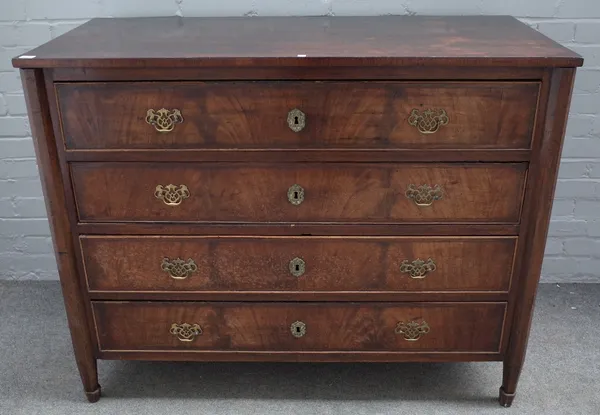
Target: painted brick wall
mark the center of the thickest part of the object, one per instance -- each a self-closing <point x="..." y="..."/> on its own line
<point x="573" y="251"/>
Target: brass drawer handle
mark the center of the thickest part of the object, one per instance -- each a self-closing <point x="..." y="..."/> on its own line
<point x="418" y="269"/>
<point x="164" y="120"/>
<point x="185" y="332"/>
<point x="172" y="195"/>
<point x="298" y="329"/>
<point x="295" y="194"/>
<point x="412" y="330"/>
<point x="424" y="195"/>
<point x="429" y="121"/>
<point x="178" y="268"/>
<point x="297" y="267"/>
<point x="296" y="120"/>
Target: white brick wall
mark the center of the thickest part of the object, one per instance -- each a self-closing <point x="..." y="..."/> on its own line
<point x="573" y="251"/>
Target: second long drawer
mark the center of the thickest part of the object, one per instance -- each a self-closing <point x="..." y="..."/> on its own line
<point x="310" y="192"/>
<point x="267" y="264"/>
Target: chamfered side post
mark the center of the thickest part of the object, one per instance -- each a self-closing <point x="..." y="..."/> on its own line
<point x="53" y="187"/>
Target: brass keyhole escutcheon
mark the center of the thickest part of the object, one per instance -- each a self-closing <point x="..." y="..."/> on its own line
<point x="297" y="267"/>
<point x="298" y="329"/>
<point x="296" y="120"/>
<point x="296" y="194"/>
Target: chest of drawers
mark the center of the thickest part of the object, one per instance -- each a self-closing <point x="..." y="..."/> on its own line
<point x="299" y="189"/>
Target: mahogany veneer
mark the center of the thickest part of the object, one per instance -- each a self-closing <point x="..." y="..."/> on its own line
<point x="461" y="327"/>
<point x="334" y="192"/>
<point x="358" y="264"/>
<point x="235" y="115"/>
<point x="299" y="189"/>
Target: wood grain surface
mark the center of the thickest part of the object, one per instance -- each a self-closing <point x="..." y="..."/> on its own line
<point x="253" y="115"/>
<point x="324" y="41"/>
<point x="341" y="192"/>
<point x="453" y="327"/>
<point x="359" y="264"/>
<point x="58" y="209"/>
<point x="504" y="86"/>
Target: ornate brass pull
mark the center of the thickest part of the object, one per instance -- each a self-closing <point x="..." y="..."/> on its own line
<point x="297" y="267"/>
<point x="172" y="195"/>
<point x="298" y="329"/>
<point x="412" y="330"/>
<point x="164" y="120"/>
<point x="296" y="120"/>
<point x="179" y="269"/>
<point x="418" y="269"/>
<point x="429" y="121"/>
<point x="424" y="195"/>
<point x="295" y="194"/>
<point x="185" y="332"/>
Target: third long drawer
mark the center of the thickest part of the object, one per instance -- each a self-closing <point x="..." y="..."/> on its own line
<point x="294" y="264"/>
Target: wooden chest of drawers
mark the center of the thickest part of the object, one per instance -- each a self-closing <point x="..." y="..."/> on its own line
<point x="299" y="189"/>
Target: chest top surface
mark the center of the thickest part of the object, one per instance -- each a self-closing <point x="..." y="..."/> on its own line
<point x="301" y="41"/>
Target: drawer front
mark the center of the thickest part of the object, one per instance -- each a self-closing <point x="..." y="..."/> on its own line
<point x="362" y="264"/>
<point x="340" y="192"/>
<point x="467" y="327"/>
<point x="260" y="115"/>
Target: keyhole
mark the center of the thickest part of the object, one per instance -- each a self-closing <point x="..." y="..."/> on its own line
<point x="297" y="267"/>
<point x="295" y="195"/>
<point x="296" y="120"/>
<point x="297" y="329"/>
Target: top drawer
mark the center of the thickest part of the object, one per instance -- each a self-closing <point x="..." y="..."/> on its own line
<point x="308" y="115"/>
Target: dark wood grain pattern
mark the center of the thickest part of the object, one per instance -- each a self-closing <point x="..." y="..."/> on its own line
<point x="232" y="264"/>
<point x="297" y="228"/>
<point x="253" y="115"/>
<point x="456" y="327"/>
<point x="302" y="296"/>
<point x="53" y="188"/>
<point x="333" y="193"/>
<point x="299" y="356"/>
<point x="537" y="209"/>
<point x="504" y="86"/>
<point x="175" y="42"/>
<point x="315" y="73"/>
<point x="299" y="155"/>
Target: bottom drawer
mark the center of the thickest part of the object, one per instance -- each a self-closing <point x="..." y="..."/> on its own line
<point x="139" y="326"/>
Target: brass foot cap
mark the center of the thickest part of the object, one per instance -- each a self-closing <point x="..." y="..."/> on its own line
<point x="506" y="399"/>
<point x="93" y="396"/>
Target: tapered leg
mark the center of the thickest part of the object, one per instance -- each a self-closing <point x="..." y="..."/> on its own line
<point x="510" y="379"/>
<point x="537" y="205"/>
<point x="55" y="191"/>
<point x="94" y="395"/>
<point x="88" y="371"/>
